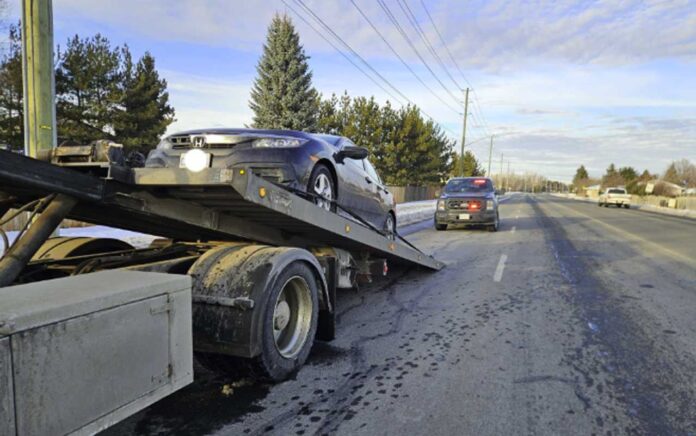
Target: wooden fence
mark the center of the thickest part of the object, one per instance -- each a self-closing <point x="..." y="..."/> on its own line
<point x="404" y="194"/>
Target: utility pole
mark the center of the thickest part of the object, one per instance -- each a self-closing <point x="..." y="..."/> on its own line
<point x="38" y="77"/>
<point x="490" y="156"/>
<point x="502" y="185"/>
<point x="508" y="175"/>
<point x="466" y="113"/>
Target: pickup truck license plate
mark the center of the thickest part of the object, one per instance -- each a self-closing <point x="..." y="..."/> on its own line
<point x="464" y="216"/>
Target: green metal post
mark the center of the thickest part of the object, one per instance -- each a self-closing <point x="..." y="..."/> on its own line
<point x="39" y="80"/>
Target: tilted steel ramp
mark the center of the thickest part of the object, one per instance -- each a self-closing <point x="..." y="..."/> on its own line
<point x="214" y="204"/>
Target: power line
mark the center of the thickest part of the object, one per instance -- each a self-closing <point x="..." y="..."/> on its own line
<point x="350" y="49"/>
<point x="396" y="24"/>
<point x="414" y="22"/>
<point x="443" y="42"/>
<point x="454" y="62"/>
<point x="367" y="64"/>
<point x="400" y="58"/>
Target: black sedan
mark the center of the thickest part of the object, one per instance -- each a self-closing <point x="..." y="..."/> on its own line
<point x="468" y="201"/>
<point x="331" y="169"/>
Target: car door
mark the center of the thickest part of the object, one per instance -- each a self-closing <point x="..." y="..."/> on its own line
<point x="352" y="184"/>
<point x="381" y="203"/>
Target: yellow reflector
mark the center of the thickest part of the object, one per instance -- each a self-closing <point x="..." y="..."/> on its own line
<point x="241" y="172"/>
<point x="262" y="192"/>
<point x="347" y="228"/>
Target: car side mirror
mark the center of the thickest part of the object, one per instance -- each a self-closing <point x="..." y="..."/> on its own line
<point x="352" y="152"/>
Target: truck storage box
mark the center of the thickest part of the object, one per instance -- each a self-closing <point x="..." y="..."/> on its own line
<point x="79" y="354"/>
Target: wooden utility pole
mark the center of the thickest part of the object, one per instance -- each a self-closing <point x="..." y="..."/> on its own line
<point x="38" y="76"/>
<point x="466" y="113"/>
<point x="490" y="157"/>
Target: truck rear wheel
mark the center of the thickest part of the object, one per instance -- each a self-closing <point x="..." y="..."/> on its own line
<point x="289" y="322"/>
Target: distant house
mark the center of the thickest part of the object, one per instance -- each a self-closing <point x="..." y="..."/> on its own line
<point x="660" y="187"/>
<point x="592" y="191"/>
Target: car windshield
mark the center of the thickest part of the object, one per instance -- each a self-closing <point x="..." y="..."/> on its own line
<point x="468" y="185"/>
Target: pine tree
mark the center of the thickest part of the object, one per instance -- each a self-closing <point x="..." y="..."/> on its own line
<point x="283" y="96"/>
<point x="143" y="112"/>
<point x="580" y="175"/>
<point x="87" y="82"/>
<point x="11" y="93"/>
<point x="472" y="167"/>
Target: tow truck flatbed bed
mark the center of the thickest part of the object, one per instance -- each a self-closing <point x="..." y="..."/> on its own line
<point x="214" y="204"/>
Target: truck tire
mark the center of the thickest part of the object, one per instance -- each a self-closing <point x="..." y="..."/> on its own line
<point x="289" y="322"/>
<point x="496" y="224"/>
<point x="256" y="307"/>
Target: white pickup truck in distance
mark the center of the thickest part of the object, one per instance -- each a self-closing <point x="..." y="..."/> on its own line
<point x="616" y="196"/>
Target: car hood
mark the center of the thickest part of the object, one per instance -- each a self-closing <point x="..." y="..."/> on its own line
<point x="468" y="195"/>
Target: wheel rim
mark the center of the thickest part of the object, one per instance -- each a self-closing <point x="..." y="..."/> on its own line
<point x="389" y="227"/>
<point x="322" y="187"/>
<point x="292" y="317"/>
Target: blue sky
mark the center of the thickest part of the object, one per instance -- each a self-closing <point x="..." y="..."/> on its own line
<point x="559" y="83"/>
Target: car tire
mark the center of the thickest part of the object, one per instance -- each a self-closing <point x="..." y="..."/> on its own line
<point x="440" y="227"/>
<point x="390" y="226"/>
<point x="627" y="206"/>
<point x="496" y="224"/>
<point x="322" y="184"/>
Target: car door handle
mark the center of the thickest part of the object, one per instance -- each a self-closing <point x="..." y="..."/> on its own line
<point x="367" y="179"/>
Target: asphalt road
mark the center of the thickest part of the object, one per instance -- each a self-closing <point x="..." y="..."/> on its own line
<point x="572" y="319"/>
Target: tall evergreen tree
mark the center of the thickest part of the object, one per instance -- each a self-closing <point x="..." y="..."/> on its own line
<point x="283" y="96"/>
<point x="580" y="175"/>
<point x="11" y="93"/>
<point x="472" y="167"/>
<point x="87" y="88"/>
<point x="143" y="112"/>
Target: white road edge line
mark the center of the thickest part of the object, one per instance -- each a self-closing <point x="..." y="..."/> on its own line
<point x="500" y="268"/>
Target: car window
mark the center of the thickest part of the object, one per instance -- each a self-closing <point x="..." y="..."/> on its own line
<point x="617" y="191"/>
<point x="468" y="185"/>
<point x="371" y="171"/>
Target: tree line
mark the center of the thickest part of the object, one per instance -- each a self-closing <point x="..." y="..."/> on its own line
<point x="405" y="147"/>
<point x="681" y="172"/>
<point x="101" y="93"/>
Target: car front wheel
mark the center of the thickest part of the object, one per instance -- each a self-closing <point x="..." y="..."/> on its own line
<point x="322" y="188"/>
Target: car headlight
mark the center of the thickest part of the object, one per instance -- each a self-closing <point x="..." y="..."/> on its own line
<point x="164" y="145"/>
<point x="277" y="142"/>
<point x="489" y="204"/>
<point x="440" y="204"/>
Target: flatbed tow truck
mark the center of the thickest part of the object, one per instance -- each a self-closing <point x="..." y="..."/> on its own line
<point x="264" y="266"/>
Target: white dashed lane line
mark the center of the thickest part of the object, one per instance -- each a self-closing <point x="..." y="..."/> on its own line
<point x="500" y="268"/>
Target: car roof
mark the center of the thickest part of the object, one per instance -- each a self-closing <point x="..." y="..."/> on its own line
<point x="469" y="178"/>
